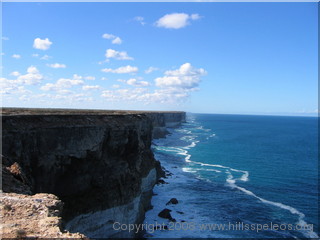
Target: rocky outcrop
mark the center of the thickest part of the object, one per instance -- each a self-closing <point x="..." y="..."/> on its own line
<point x="99" y="163"/>
<point x="29" y="216"/>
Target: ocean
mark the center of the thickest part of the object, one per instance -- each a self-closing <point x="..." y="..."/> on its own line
<point x="238" y="176"/>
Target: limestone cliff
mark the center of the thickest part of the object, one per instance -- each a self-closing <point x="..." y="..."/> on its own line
<point x="99" y="163"/>
<point x="162" y="120"/>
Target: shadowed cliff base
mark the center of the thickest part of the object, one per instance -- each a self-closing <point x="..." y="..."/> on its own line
<point x="98" y="162"/>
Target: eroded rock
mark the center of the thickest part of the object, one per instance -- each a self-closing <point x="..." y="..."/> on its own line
<point x="165" y="213"/>
<point x="32" y="216"/>
<point x="172" y="201"/>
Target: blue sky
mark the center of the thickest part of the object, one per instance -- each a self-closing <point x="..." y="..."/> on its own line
<point x="243" y="58"/>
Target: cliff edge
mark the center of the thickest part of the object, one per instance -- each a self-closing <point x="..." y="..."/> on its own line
<point x="98" y="163"/>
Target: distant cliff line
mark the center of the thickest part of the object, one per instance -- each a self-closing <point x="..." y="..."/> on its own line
<point x="98" y="162"/>
<point x="64" y="111"/>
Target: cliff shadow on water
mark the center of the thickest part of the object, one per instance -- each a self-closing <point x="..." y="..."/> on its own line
<point x="99" y="163"/>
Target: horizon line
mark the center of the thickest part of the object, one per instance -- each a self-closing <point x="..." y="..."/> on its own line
<point x="310" y="114"/>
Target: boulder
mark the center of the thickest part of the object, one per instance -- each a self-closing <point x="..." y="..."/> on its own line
<point x="172" y="201"/>
<point x="165" y="213"/>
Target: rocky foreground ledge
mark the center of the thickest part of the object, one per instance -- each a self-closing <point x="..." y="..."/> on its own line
<point x="96" y="164"/>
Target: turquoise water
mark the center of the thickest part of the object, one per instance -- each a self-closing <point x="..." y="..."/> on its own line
<point x="237" y="169"/>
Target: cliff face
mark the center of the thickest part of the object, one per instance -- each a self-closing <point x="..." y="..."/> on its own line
<point x="162" y="120"/>
<point x="99" y="164"/>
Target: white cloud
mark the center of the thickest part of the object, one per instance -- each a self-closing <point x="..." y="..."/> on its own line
<point x="90" y="87"/>
<point x="5" y="38"/>
<point x="2" y="54"/>
<point x="90" y="78"/>
<point x="32" y="77"/>
<point x="15" y="74"/>
<point x="115" y="39"/>
<point x="124" y="94"/>
<point x="176" y="20"/>
<point x="110" y="53"/>
<point x="24" y="98"/>
<point x="63" y="83"/>
<point x="16" y="56"/>
<point x="8" y="86"/>
<point x="104" y="78"/>
<point x="136" y="83"/>
<point x="102" y="62"/>
<point x="140" y="20"/>
<point x="16" y="86"/>
<point x="125" y="69"/>
<point x="56" y="65"/>
<point x="170" y="95"/>
<point x="45" y="57"/>
<point x="174" y="87"/>
<point x="108" y="36"/>
<point x="195" y="16"/>
<point x="115" y="86"/>
<point x="186" y="77"/>
<point x="42" y="44"/>
<point x="145" y="96"/>
<point x="76" y="76"/>
<point x="150" y="70"/>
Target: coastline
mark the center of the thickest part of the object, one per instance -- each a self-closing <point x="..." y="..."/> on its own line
<point x="98" y="163"/>
<point x="216" y="193"/>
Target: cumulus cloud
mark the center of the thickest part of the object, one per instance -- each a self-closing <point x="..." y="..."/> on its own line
<point x="17" y="86"/>
<point x="186" y="77"/>
<point x="115" y="39"/>
<point x="140" y="20"/>
<point x="150" y="70"/>
<point x="136" y="83"/>
<point x="125" y="69"/>
<point x="63" y="84"/>
<point x="111" y="53"/>
<point x="90" y="87"/>
<point x="56" y="65"/>
<point x="176" y="20"/>
<point x="108" y="36"/>
<point x="15" y="74"/>
<point x="32" y="77"/>
<point x="8" y="87"/>
<point x="16" y="56"/>
<point x="42" y="44"/>
<point x="173" y="88"/>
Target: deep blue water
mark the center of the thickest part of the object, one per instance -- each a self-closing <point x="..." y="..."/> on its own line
<point x="230" y="169"/>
